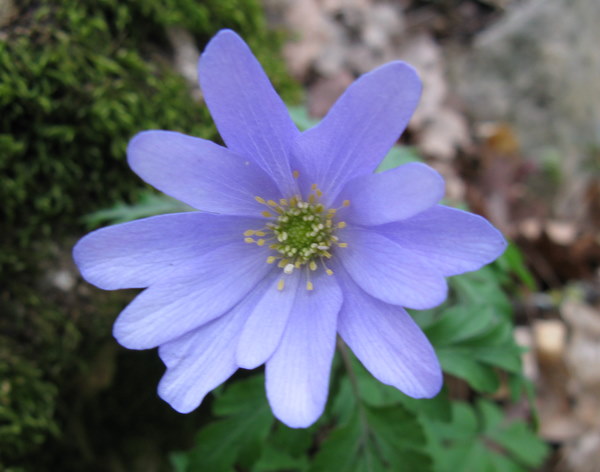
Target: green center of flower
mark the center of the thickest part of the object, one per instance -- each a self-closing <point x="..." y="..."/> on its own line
<point x="301" y="233"/>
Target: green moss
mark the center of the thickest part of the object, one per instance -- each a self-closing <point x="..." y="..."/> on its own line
<point x="27" y="403"/>
<point x="77" y="81"/>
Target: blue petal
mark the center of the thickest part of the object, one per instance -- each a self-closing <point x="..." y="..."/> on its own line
<point x="250" y="116"/>
<point x="208" y="287"/>
<point x="200" y="173"/>
<point x="297" y="375"/>
<point x="264" y="328"/>
<point x="389" y="272"/>
<point x="202" y="359"/>
<point x="449" y="240"/>
<point x="140" y="253"/>
<point x="389" y="343"/>
<point x="359" y="129"/>
<point x="393" y="195"/>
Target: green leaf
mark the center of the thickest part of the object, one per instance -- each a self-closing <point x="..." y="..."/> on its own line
<point x="512" y="261"/>
<point x="380" y="426"/>
<point x="472" y="332"/>
<point x="237" y="438"/>
<point x="276" y="460"/>
<point x="482" y="288"/>
<point x="460" y="323"/>
<point x="400" y="438"/>
<point x="301" y="117"/>
<point x="149" y="204"/>
<point x="462" y="365"/>
<point x="397" y="156"/>
<point x="376" y="439"/>
<point x="341" y="449"/>
<point x="374" y="393"/>
<point x="286" y="449"/>
<point x="480" y="440"/>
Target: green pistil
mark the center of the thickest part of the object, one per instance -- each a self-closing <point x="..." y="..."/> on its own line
<point x="303" y="232"/>
<point x="300" y="232"/>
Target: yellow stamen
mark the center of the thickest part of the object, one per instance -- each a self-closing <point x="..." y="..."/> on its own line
<point x="249" y="232"/>
<point x="328" y="271"/>
<point x="313" y="187"/>
<point x="280" y="284"/>
<point x="260" y="200"/>
<point x="260" y="242"/>
<point x="309" y="285"/>
<point x="319" y="193"/>
<point x="312" y="265"/>
<point x="248" y="240"/>
<point x="271" y="259"/>
<point x="343" y="244"/>
<point x="266" y="214"/>
<point x="296" y="174"/>
<point x="260" y="233"/>
<point x="272" y="203"/>
<point x="283" y="202"/>
<point x="346" y="203"/>
<point x="341" y="224"/>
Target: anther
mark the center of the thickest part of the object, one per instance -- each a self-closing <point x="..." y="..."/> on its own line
<point x="343" y="244"/>
<point x="249" y="232"/>
<point x="296" y="174"/>
<point x="288" y="269"/>
<point x="312" y="265"/>
<point x="309" y="285"/>
<point x="266" y="214"/>
<point x="260" y="200"/>
<point x="346" y="203"/>
<point x="249" y="240"/>
<point x="341" y="224"/>
<point x="271" y="259"/>
<point x="280" y="284"/>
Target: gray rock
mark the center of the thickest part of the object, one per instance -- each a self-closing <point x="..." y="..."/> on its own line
<point x="539" y="70"/>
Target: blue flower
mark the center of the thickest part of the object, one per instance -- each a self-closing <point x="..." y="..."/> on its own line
<point x="296" y="241"/>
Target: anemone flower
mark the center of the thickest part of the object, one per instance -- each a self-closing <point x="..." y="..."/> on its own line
<point x="296" y="241"/>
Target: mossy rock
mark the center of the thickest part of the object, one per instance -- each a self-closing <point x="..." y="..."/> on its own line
<point x="77" y="81"/>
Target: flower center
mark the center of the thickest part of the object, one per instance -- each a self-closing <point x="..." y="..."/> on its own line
<point x="300" y="232"/>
